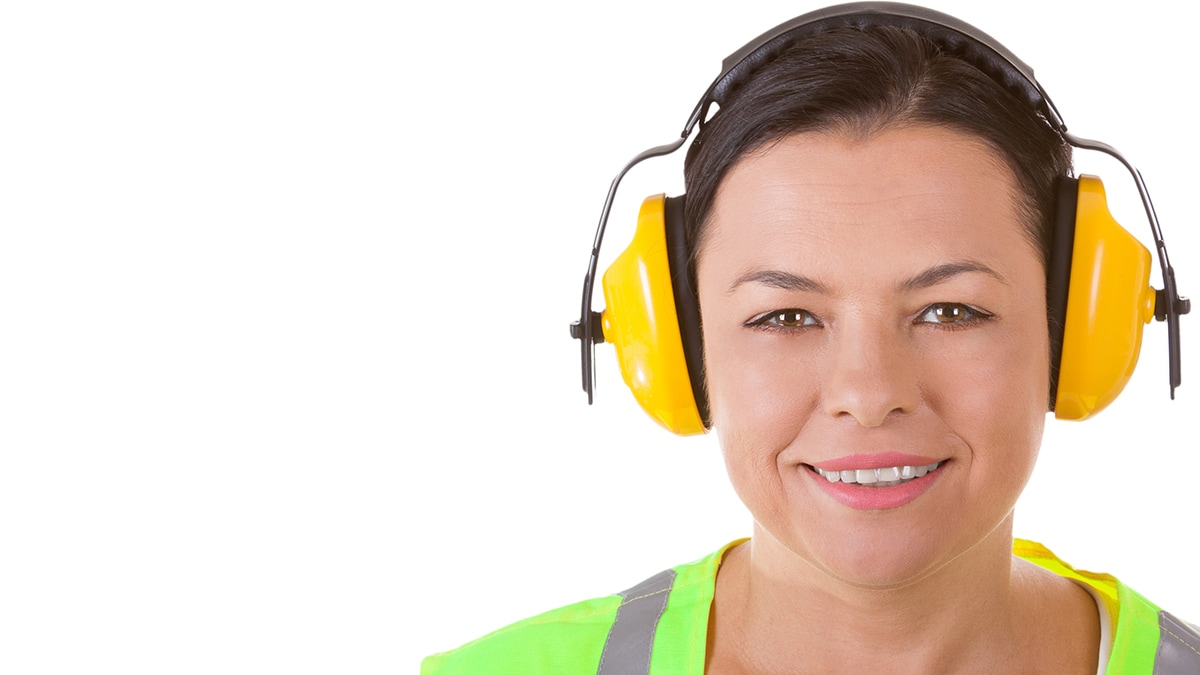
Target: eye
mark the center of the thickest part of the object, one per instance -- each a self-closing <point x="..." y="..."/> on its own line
<point x="783" y="319"/>
<point x="952" y="315"/>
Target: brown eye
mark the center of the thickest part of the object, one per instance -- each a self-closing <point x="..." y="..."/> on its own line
<point x="953" y="313"/>
<point x="784" y="319"/>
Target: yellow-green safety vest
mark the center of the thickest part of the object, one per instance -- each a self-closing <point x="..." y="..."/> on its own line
<point x="660" y="627"/>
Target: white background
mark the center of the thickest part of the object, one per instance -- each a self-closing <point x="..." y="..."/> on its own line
<point x="285" y="381"/>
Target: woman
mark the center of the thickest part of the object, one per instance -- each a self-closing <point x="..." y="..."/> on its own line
<point x="870" y="229"/>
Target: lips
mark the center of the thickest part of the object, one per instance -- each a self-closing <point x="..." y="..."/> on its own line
<point x="879" y="477"/>
<point x="876" y="481"/>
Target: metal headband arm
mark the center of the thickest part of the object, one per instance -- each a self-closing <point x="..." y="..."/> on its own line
<point x="587" y="329"/>
<point x="1168" y="305"/>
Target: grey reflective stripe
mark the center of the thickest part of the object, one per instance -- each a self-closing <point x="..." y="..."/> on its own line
<point x="1178" y="647"/>
<point x="631" y="638"/>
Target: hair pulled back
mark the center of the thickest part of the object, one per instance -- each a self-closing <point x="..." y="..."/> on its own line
<point x="862" y="81"/>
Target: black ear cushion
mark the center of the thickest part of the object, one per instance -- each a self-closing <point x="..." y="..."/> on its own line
<point x="687" y="303"/>
<point x="1058" y="274"/>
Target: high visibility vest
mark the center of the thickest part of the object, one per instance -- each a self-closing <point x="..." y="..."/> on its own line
<point x="660" y="627"/>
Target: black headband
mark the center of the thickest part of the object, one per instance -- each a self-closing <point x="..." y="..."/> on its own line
<point x="952" y="35"/>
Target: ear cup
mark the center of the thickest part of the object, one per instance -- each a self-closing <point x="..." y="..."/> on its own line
<point x="641" y="320"/>
<point x="1108" y="301"/>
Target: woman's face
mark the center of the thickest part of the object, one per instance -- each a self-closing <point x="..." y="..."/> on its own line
<point x="871" y="305"/>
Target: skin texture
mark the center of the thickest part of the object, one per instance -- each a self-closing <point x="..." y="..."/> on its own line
<point x="878" y="295"/>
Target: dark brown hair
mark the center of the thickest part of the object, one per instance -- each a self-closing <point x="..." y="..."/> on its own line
<point x="859" y="82"/>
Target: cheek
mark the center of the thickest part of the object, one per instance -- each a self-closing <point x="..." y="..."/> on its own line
<point x="1000" y="381"/>
<point x="755" y="389"/>
<point x="996" y="400"/>
<point x="759" y="401"/>
<point x="752" y="464"/>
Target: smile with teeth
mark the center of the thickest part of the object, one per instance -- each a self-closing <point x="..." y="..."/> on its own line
<point x="883" y="477"/>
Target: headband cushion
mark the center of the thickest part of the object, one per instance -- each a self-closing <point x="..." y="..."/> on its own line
<point x="950" y="34"/>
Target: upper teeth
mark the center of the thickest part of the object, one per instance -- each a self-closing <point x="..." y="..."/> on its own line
<point x="885" y="477"/>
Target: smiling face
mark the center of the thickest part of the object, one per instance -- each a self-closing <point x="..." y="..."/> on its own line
<point x="871" y="305"/>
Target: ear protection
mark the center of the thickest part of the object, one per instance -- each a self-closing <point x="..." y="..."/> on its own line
<point x="1098" y="277"/>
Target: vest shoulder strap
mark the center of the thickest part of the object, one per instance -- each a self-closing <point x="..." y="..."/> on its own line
<point x="630" y="641"/>
<point x="1178" y="650"/>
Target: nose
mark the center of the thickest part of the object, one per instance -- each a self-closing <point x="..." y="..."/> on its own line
<point x="870" y="374"/>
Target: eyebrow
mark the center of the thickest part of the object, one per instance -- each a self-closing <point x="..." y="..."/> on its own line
<point x="939" y="273"/>
<point x="782" y="280"/>
<point x="933" y="276"/>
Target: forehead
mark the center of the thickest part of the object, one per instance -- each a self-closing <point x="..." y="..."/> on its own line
<point x="902" y="196"/>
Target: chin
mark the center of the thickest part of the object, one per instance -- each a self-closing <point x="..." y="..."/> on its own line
<point x="873" y="551"/>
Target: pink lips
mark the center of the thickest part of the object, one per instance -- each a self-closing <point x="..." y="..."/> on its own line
<point x="867" y="498"/>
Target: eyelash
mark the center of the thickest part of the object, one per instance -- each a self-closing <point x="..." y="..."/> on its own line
<point x="970" y="315"/>
<point x="770" y="320"/>
<point x="775" y="320"/>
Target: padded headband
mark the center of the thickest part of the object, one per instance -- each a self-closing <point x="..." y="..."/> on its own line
<point x="952" y="35"/>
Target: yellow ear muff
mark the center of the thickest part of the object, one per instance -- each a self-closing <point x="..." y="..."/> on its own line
<point x="1108" y="302"/>
<point x="641" y="321"/>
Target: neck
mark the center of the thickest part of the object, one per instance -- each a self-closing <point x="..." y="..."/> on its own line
<point x="775" y="609"/>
